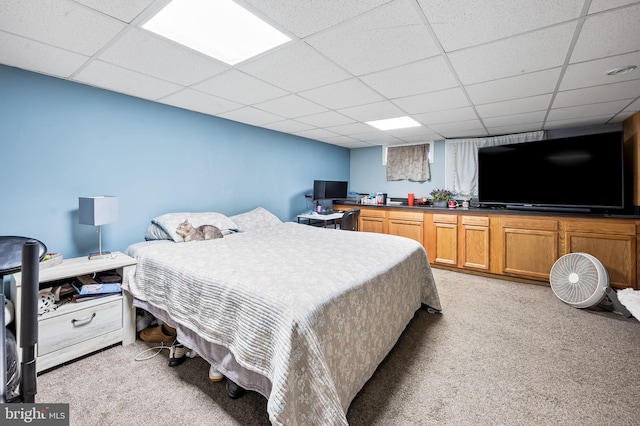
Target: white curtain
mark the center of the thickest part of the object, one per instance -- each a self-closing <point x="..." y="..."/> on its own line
<point x="461" y="156"/>
<point x="410" y="162"/>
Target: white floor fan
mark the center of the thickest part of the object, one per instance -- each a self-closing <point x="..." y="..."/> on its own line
<point x="582" y="281"/>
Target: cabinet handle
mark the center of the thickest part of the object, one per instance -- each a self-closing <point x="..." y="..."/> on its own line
<point x="83" y="320"/>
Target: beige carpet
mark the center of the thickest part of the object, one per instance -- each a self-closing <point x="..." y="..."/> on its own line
<point x="502" y="353"/>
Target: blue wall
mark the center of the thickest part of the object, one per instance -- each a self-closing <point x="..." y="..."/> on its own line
<point x="369" y="175"/>
<point x="60" y="140"/>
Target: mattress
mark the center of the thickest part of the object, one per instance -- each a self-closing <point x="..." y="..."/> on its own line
<point x="301" y="314"/>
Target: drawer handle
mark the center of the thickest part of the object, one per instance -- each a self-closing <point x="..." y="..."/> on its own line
<point x="84" y="321"/>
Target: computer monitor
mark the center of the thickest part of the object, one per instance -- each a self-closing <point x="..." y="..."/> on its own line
<point x="329" y="190"/>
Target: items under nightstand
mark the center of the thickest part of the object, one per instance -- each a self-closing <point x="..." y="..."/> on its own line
<point x="75" y="329"/>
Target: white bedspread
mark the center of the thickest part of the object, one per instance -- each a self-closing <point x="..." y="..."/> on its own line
<point x="314" y="310"/>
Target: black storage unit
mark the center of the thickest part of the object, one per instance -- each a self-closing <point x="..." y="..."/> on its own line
<point x="20" y="254"/>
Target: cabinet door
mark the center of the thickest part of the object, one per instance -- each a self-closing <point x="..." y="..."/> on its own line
<point x="446" y="239"/>
<point x="474" y="244"/>
<point x="529" y="247"/>
<point x="406" y="224"/>
<point x="611" y="242"/>
<point x="372" y="220"/>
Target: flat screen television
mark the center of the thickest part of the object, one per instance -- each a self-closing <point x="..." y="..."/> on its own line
<point x="329" y="190"/>
<point x="580" y="173"/>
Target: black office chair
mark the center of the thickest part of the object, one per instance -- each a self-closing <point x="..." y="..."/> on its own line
<point x="349" y="221"/>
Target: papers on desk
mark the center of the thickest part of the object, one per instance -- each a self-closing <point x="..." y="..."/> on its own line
<point x="316" y="216"/>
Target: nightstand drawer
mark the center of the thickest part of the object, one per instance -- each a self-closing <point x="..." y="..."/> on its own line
<point x="61" y="331"/>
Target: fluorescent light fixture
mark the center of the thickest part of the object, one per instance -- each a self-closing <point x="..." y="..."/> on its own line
<point x="394" y="123"/>
<point x="218" y="28"/>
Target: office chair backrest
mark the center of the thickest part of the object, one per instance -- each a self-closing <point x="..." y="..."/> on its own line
<point x="349" y="221"/>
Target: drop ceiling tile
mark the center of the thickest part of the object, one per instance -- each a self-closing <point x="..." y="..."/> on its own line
<point x="424" y="137"/>
<point x="635" y="106"/>
<point x="576" y="122"/>
<point x="419" y="77"/>
<point x="457" y="134"/>
<point x="61" y="23"/>
<point x="520" y="86"/>
<point x="459" y="125"/>
<point x="350" y="129"/>
<point x="345" y="141"/>
<point x="591" y="95"/>
<point x="315" y="134"/>
<point x="415" y="133"/>
<point x="592" y="73"/>
<point x="600" y="5"/>
<point x="619" y="118"/>
<point x="295" y="67"/>
<point x="434" y="101"/>
<point x="374" y="111"/>
<point x="240" y="87"/>
<point x="124" y="10"/>
<point x="146" y="53"/>
<point x="515" y="106"/>
<point x="591" y="110"/>
<point x="386" y="37"/>
<point x="111" y="77"/>
<point x="517" y="128"/>
<point x="446" y="116"/>
<point x="343" y="94"/>
<point x="522" y="54"/>
<point x="377" y="138"/>
<point x="291" y="106"/>
<point x="326" y="119"/>
<point x="607" y="34"/>
<point x="251" y="115"/>
<point x="31" y="55"/>
<point x="306" y="17"/>
<point x="198" y="101"/>
<point x="288" y="126"/>
<point x="488" y="20"/>
<point x="515" y="119"/>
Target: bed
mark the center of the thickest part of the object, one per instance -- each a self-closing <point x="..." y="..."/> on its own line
<point x="300" y="314"/>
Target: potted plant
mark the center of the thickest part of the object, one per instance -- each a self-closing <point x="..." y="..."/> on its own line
<point x="440" y="197"/>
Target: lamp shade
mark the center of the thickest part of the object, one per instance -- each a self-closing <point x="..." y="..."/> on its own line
<point x="98" y="211"/>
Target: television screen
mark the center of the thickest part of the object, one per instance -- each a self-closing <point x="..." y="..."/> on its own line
<point x="582" y="172"/>
<point x="329" y="190"/>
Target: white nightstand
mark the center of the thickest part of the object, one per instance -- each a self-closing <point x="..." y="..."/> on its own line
<point x="77" y="329"/>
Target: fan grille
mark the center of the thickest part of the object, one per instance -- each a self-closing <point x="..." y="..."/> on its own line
<point x="575" y="278"/>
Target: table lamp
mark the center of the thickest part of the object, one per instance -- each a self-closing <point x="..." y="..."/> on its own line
<point x="98" y="211"/>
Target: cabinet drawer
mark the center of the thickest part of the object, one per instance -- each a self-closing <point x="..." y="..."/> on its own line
<point x="475" y="220"/>
<point x="412" y="216"/>
<point x="372" y="213"/>
<point x="445" y="218"/>
<point x="66" y="329"/>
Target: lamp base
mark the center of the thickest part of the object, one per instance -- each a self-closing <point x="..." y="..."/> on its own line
<point x="100" y="255"/>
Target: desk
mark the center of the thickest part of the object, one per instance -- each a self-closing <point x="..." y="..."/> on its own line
<point x="324" y="220"/>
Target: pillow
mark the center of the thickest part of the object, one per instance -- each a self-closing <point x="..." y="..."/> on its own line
<point x="170" y="221"/>
<point x="154" y="232"/>
<point x="256" y="218"/>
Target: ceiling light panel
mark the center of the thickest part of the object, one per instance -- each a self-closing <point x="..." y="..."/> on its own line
<point x="394" y="123"/>
<point x="220" y="29"/>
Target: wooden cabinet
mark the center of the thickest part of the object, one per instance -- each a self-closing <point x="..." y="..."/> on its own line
<point x="612" y="242"/>
<point x="456" y="240"/>
<point x="406" y="224"/>
<point x="528" y="246"/>
<point x="511" y="245"/>
<point x="372" y="220"/>
<point x="445" y="236"/>
<point x="474" y="242"/>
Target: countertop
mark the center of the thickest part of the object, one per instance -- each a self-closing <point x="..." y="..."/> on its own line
<point x="492" y="210"/>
